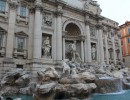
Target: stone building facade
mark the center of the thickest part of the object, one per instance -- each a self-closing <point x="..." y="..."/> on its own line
<point x="38" y="33"/>
<point x="125" y="40"/>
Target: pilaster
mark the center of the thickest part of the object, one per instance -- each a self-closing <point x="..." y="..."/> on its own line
<point x="87" y="42"/>
<point x="113" y="45"/>
<point x="82" y="38"/>
<point x="11" y="27"/>
<point x="58" y="15"/>
<point x="37" y="39"/>
<point x="31" y="30"/>
<point x="120" y="47"/>
<point x="106" y="45"/>
<point x="100" y="40"/>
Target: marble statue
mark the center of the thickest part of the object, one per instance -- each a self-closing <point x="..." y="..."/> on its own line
<point x="46" y="47"/>
<point x="86" y="5"/>
<point x="74" y="54"/>
<point x="93" y="52"/>
<point x="99" y="10"/>
<point x="73" y="51"/>
<point x="74" y="72"/>
<point x="66" y="67"/>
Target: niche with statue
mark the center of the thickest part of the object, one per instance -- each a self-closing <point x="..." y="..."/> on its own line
<point x="93" y="51"/>
<point x="46" y="46"/>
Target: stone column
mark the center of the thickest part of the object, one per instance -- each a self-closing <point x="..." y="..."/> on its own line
<point x="100" y="33"/>
<point x="113" y="45"/>
<point x="88" y="43"/>
<point x="85" y="50"/>
<point x="11" y="26"/>
<point x="54" y="40"/>
<point x="82" y="50"/>
<point x="106" y="45"/>
<point x="30" y="38"/>
<point x="37" y="39"/>
<point x="63" y="48"/>
<point x="120" y="47"/>
<point x="98" y="46"/>
<point x="58" y="35"/>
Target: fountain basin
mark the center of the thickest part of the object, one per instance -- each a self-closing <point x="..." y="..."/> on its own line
<point x="108" y="85"/>
<point x="123" y="95"/>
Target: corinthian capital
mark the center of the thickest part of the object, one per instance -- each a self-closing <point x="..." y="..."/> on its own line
<point x="13" y="4"/>
<point x="38" y="5"/>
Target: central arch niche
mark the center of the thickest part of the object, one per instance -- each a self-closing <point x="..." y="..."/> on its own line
<point x="72" y="30"/>
<point x="72" y="35"/>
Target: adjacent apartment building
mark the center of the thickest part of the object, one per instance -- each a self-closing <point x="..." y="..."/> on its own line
<point x="125" y="40"/>
<point x="37" y="33"/>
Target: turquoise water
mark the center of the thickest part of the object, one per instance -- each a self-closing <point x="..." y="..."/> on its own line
<point x="124" y="95"/>
<point x="23" y="97"/>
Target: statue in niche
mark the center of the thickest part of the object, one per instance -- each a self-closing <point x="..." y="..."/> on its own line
<point x="46" y="47"/>
<point x="93" y="52"/>
<point x="74" y="54"/>
<point x="73" y="50"/>
<point x="48" y="19"/>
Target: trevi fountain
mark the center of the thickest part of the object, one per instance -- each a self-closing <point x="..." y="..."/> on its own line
<point x="74" y="80"/>
<point x="60" y="50"/>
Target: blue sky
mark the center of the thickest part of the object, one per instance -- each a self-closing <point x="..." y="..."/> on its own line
<point x="118" y="10"/>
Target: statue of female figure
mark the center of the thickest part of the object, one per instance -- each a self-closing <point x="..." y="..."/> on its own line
<point x="46" y="47"/>
<point x="93" y="52"/>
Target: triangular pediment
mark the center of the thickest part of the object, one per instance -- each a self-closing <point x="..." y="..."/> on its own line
<point x="2" y="30"/>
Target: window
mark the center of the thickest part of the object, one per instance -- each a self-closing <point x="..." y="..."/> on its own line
<point x="110" y="53"/>
<point x="20" y="44"/>
<point x="128" y="40"/>
<point x="19" y="66"/>
<point x="23" y="11"/>
<point x="2" y="5"/>
<point x="109" y="36"/>
<point x="121" y="42"/>
<point x="129" y="31"/>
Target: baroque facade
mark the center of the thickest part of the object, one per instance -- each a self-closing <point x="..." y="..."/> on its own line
<point x="125" y="40"/>
<point x="38" y="33"/>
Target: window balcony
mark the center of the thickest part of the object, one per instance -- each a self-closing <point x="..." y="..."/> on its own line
<point x="2" y="51"/>
<point x="24" y="19"/>
<point x="4" y="14"/>
<point x="20" y="53"/>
